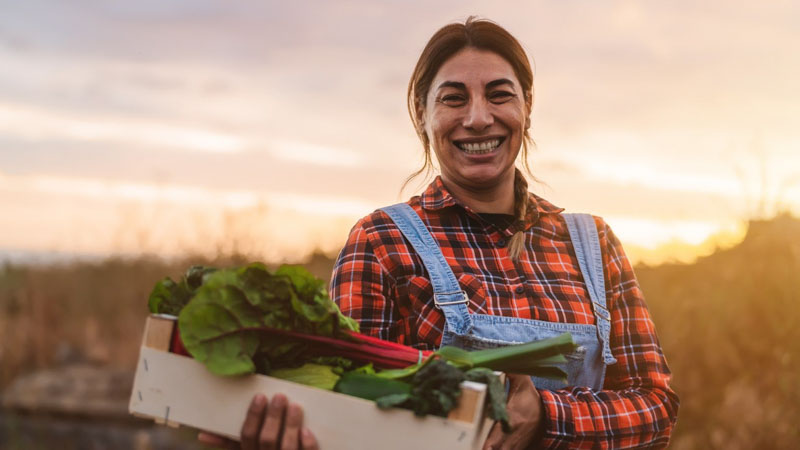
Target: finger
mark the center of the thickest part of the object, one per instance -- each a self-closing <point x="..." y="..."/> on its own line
<point x="291" y="427"/>
<point x="252" y="422"/>
<point x="273" y="423"/>
<point x="308" y="440"/>
<point x="212" y="440"/>
<point x="495" y="437"/>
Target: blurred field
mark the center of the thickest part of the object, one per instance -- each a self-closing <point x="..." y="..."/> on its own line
<point x="729" y="327"/>
<point x="728" y="324"/>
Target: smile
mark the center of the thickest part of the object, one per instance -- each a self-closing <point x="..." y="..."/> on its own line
<point x="481" y="147"/>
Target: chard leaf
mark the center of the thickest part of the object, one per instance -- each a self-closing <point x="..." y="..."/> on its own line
<point x="310" y="374"/>
<point x="221" y="325"/>
<point x="168" y="297"/>
<point x="216" y="329"/>
<point x="366" y="368"/>
<point x="392" y="400"/>
<point x="305" y="283"/>
<point x="339" y="364"/>
<point x="313" y="302"/>
<point x="406" y="372"/>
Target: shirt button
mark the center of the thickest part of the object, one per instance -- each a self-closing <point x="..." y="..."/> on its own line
<point x="520" y="289"/>
<point x="501" y="243"/>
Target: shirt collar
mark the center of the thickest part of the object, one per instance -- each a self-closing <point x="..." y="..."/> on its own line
<point x="436" y="196"/>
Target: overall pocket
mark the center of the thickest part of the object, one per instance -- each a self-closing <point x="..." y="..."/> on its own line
<point x="575" y="364"/>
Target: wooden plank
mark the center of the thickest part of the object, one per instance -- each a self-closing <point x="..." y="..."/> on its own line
<point x="158" y="332"/>
<point x="470" y="405"/>
<point x="174" y="388"/>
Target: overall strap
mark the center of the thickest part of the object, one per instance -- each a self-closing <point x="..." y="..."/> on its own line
<point x="447" y="294"/>
<point x="583" y="232"/>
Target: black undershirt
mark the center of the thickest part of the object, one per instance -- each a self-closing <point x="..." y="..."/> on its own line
<point x="500" y="221"/>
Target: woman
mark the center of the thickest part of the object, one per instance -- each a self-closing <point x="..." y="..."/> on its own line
<point x="512" y="254"/>
<point x="478" y="261"/>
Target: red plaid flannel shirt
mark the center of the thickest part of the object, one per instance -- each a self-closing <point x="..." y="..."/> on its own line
<point x="380" y="281"/>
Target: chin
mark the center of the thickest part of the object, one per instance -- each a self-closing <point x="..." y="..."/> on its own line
<point x="483" y="178"/>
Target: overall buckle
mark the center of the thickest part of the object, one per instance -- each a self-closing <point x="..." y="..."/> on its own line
<point x="602" y="311"/>
<point x="439" y="304"/>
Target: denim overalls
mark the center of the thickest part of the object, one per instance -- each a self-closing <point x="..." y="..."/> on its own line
<point x="585" y="367"/>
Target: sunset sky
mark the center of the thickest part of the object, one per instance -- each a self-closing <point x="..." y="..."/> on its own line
<point x="271" y="127"/>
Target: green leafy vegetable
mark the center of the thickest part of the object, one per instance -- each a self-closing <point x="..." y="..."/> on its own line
<point x="496" y="392"/>
<point x="437" y="387"/>
<point x="220" y="325"/>
<point x="169" y="297"/>
<point x="537" y="358"/>
<point x="310" y="374"/>
<point x="370" y="386"/>
<point x="214" y="329"/>
<point x="247" y="319"/>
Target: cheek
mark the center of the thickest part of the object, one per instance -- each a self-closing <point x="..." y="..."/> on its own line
<point x="441" y="126"/>
<point x="512" y="118"/>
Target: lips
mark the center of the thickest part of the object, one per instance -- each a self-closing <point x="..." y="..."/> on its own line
<point x="479" y="147"/>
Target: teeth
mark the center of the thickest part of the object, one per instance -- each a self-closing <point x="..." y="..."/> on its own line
<point x="478" y="148"/>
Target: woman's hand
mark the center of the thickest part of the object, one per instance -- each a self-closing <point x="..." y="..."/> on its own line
<point x="269" y="425"/>
<point x="524" y="413"/>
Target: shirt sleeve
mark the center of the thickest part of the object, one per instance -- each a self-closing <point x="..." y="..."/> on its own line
<point x="636" y="407"/>
<point x="363" y="289"/>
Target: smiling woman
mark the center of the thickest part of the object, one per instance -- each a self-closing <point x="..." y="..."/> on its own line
<point x="477" y="261"/>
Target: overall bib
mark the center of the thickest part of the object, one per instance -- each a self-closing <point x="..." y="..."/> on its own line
<point x="586" y="366"/>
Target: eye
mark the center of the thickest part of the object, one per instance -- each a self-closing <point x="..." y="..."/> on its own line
<point x="453" y="100"/>
<point x="501" y="96"/>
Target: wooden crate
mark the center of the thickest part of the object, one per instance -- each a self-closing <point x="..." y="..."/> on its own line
<point x="177" y="390"/>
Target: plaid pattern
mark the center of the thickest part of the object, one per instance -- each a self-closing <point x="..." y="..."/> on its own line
<point x="380" y="281"/>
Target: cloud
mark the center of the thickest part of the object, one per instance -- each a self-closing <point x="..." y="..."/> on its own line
<point x="303" y="152"/>
<point x="642" y="109"/>
<point x="26" y="123"/>
<point x="252" y="169"/>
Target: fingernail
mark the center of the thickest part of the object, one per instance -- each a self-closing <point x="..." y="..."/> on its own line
<point x="305" y="434"/>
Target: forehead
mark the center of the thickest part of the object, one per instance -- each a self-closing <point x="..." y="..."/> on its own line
<point x="474" y="67"/>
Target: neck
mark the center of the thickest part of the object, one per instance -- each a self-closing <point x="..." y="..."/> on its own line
<point x="495" y="199"/>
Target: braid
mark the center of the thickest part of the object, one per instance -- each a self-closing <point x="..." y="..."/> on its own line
<point x="517" y="242"/>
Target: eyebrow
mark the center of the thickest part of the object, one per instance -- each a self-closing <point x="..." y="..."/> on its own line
<point x="499" y="82"/>
<point x="452" y="84"/>
<point x="489" y="85"/>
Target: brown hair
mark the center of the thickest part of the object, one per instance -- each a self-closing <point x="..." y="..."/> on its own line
<point x="449" y="40"/>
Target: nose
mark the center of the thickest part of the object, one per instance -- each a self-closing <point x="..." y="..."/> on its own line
<point x="478" y="117"/>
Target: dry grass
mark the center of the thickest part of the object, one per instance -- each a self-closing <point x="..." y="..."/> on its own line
<point x="728" y="325"/>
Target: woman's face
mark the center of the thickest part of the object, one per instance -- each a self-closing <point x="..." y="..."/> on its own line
<point x="475" y="118"/>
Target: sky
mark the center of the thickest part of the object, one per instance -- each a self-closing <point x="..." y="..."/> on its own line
<point x="270" y="127"/>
